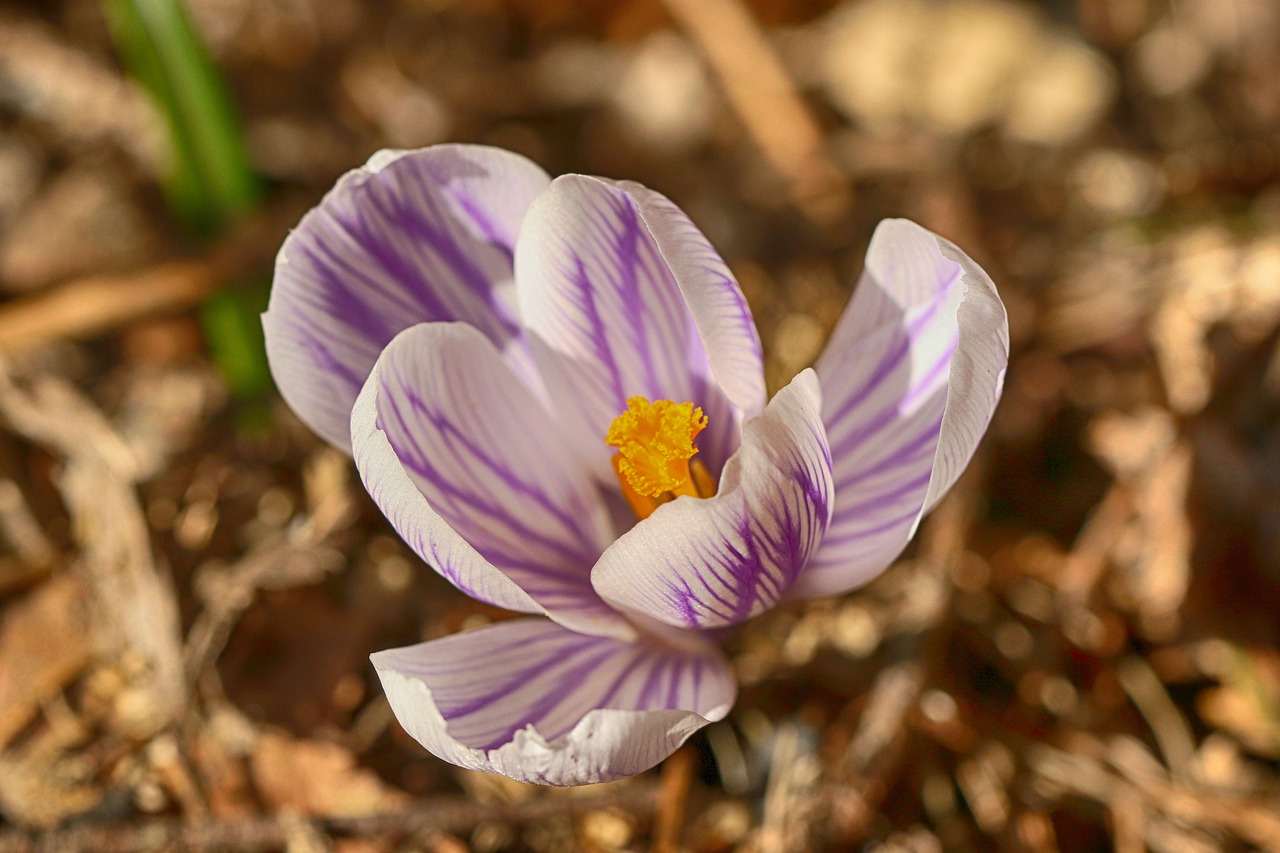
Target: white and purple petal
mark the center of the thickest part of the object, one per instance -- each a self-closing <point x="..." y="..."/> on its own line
<point x="538" y="703"/>
<point x="720" y="311"/>
<point x="709" y="563"/>
<point x="910" y="379"/>
<point x="410" y="237"/>
<point x="623" y="296"/>
<point x="484" y="465"/>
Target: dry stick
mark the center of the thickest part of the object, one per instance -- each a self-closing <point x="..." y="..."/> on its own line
<point x="790" y="811"/>
<point x="1172" y="732"/>
<point x="18" y="526"/>
<point x="69" y="91"/>
<point x="673" y="796"/>
<point x="763" y="96"/>
<point x="134" y="603"/>
<point x="439" y="815"/>
<point x="295" y="557"/>
<point x="33" y="666"/>
<point x="1128" y="816"/>
<point x="864" y="776"/>
<point x="214" y="624"/>
<point x="1087" y="561"/>
<point x="94" y="304"/>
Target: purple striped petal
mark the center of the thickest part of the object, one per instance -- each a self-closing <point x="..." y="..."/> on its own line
<point x="624" y="296"/>
<point x="464" y="451"/>
<point x="533" y="701"/>
<point x="411" y="237"/>
<point x="715" y="562"/>
<point x="720" y="311"/>
<point x="910" y="379"/>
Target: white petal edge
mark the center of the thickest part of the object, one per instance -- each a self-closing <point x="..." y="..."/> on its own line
<point x="708" y="563"/>
<point x="603" y="745"/>
<point x="911" y="378"/>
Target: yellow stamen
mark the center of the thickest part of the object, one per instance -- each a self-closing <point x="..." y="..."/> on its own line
<point x="655" y="461"/>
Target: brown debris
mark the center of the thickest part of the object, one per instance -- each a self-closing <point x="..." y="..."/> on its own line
<point x="316" y="778"/>
<point x="82" y="222"/>
<point x="134" y="605"/>
<point x="764" y="97"/>
<point x="72" y="91"/>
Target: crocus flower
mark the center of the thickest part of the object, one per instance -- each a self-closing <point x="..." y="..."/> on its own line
<point x="554" y="391"/>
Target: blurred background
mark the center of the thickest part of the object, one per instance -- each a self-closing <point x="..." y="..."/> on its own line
<point x="1078" y="653"/>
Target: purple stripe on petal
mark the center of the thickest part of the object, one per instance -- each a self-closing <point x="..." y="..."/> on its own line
<point x="908" y="451"/>
<point x="414" y="519"/>
<point x="720" y="312"/>
<point x="523" y="538"/>
<point x="892" y="361"/>
<point x="870" y="506"/>
<point x="550" y="713"/>
<point x="675" y="675"/>
<point x="485" y="457"/>
<point x="596" y="335"/>
<point x="910" y="378"/>
<point x="485" y="224"/>
<point x="411" y="237"/>
<point x="620" y="302"/>
<point x="541" y="709"/>
<point x="719" y="561"/>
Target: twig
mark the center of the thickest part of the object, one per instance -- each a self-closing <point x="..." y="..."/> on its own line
<point x="1255" y="819"/>
<point x="1087" y="561"/>
<point x="1128" y="815"/>
<point x="81" y="99"/>
<point x="96" y="303"/>
<point x="93" y="304"/>
<point x="440" y="815"/>
<point x="295" y="558"/>
<point x="891" y="697"/>
<point x="863" y="777"/>
<point x="134" y="600"/>
<point x="32" y="668"/>
<point x="18" y="525"/>
<point x="673" y="796"/>
<point x="759" y="90"/>
<point x="792" y="808"/>
<point x="1171" y="731"/>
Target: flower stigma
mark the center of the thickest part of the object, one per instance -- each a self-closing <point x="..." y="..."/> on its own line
<point x="654" y="462"/>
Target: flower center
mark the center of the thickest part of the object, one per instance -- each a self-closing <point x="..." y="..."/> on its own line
<point x="655" y="461"/>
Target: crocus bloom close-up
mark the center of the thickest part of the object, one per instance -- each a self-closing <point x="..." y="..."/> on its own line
<point x="554" y="390"/>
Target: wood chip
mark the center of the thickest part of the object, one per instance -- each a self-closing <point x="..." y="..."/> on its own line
<point x="42" y="648"/>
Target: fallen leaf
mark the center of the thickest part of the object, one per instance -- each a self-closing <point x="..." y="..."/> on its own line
<point x="42" y="648"/>
<point x="318" y="778"/>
